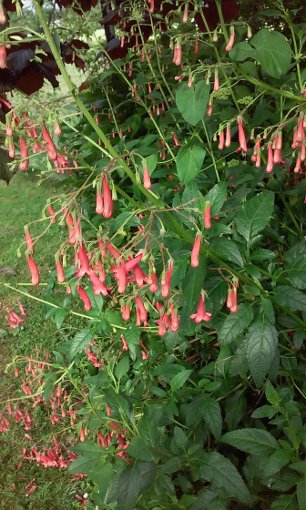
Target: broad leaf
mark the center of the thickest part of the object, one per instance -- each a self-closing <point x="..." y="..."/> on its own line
<point x="297" y="271"/>
<point x="241" y="51"/>
<point x="129" y="483"/>
<point x="192" y="101"/>
<point x="216" y="196"/>
<point x="254" y="215"/>
<point x="80" y="341"/>
<point x="228" y="250"/>
<point x="189" y="161"/>
<point x="211" y="413"/>
<point x="301" y="493"/>
<point x="179" y="379"/>
<point x="251" y="440"/>
<point x="261" y="349"/>
<point x="219" y="470"/>
<point x="290" y="297"/>
<point x="235" y="324"/>
<point x="273" y="52"/>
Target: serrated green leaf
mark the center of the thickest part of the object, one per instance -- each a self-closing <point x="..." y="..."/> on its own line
<point x="254" y="215"/>
<point x="235" y="324"/>
<point x="301" y="493"/>
<point x="290" y="297"/>
<point x="262" y="341"/>
<point x="297" y="271"/>
<point x="192" y="101"/>
<point x="122" y="367"/>
<point x="219" y="470"/>
<point x="211" y="413"/>
<point x="129" y="483"/>
<point x="179" y="379"/>
<point x="276" y="461"/>
<point x="284" y="502"/>
<point x="271" y="394"/>
<point x="138" y="449"/>
<point x="228" y="250"/>
<point x="80" y="341"/>
<point x="189" y="162"/>
<point x="216" y="196"/>
<point x="251" y="440"/>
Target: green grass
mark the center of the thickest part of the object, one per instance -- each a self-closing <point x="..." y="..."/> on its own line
<point x="20" y="203"/>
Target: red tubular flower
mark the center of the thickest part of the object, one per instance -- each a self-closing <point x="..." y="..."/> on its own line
<point x="50" y="146"/>
<point x="153" y="282"/>
<point x="33" y="269"/>
<point x="120" y="275"/>
<point x="125" y="312"/>
<point x="131" y="264"/>
<point x="166" y="281"/>
<point x="194" y="259"/>
<point x="82" y="257"/>
<point x="269" y="167"/>
<point x="11" y="150"/>
<point x="177" y="54"/>
<point x="216" y="81"/>
<point x="221" y="140"/>
<point x="23" y="166"/>
<point x="185" y="15"/>
<point x="139" y="276"/>
<point x="108" y="201"/>
<point x="175" y="322"/>
<point x="231" y="301"/>
<point x="84" y="297"/>
<point x="231" y="40"/>
<point x="98" y="285"/>
<point x="201" y="314"/>
<point x="3" y="18"/>
<point x="2" y="57"/>
<point x="142" y="312"/>
<point x="228" y="136"/>
<point x="207" y="216"/>
<point x="59" y="271"/>
<point x="57" y="129"/>
<point x="241" y="136"/>
<point x="125" y="346"/>
<point x="196" y="46"/>
<point x="29" y="240"/>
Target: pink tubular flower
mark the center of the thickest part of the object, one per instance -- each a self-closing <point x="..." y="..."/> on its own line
<point x="29" y="240"/>
<point x="120" y="275"/>
<point x="84" y="297"/>
<point x="125" y="312"/>
<point x="59" y="271"/>
<point x="23" y="166"/>
<point x="2" y="57"/>
<point x="201" y="314"/>
<point x="98" y="285"/>
<point x="13" y="319"/>
<point x="146" y="178"/>
<point x="125" y="346"/>
<point x="269" y="167"/>
<point x="241" y="136"/>
<point x="153" y="282"/>
<point x="177" y="54"/>
<point x="166" y="281"/>
<point x="216" y="81"/>
<point x="108" y="201"/>
<point x="231" y="40"/>
<point x="142" y="312"/>
<point x="207" y="216"/>
<point x="50" y="147"/>
<point x="228" y="136"/>
<point x="51" y="213"/>
<point x="194" y="259"/>
<point x="82" y="257"/>
<point x="221" y="140"/>
<point x="231" y="301"/>
<point x="33" y="270"/>
<point x="175" y="322"/>
<point x="151" y="6"/>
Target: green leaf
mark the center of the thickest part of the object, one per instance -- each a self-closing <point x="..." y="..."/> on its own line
<point x="289" y="297"/>
<point x="277" y="460"/>
<point x="273" y="52"/>
<point x="284" y="502"/>
<point x="262" y="341"/>
<point x="138" y="449"/>
<point x="235" y="324"/>
<point x="301" y="493"/>
<point x="211" y="413"/>
<point x="192" y="101"/>
<point x="80" y="341"/>
<point x="129" y="483"/>
<point x="271" y="394"/>
<point x="59" y="317"/>
<point x="228" y="249"/>
<point x="297" y="271"/>
<point x="241" y="51"/>
<point x="189" y="161"/>
<point x="216" y="196"/>
<point x="122" y="367"/>
<point x="219" y="470"/>
<point x="251" y="440"/>
<point x="151" y="162"/>
<point x="179" y="379"/>
<point x="255" y="215"/>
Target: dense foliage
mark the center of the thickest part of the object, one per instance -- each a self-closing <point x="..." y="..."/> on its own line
<point x="184" y="243"/>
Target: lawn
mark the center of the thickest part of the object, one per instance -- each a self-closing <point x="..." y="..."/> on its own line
<point x="20" y="203"/>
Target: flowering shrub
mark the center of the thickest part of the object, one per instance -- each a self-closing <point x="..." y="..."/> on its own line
<point x="184" y="255"/>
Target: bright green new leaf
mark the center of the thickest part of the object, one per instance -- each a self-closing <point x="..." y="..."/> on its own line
<point x="192" y="101"/>
<point x="189" y="161"/>
<point x="273" y="52"/>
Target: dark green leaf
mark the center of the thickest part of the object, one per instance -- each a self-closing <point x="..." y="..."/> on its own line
<point x="138" y="449"/>
<point x="179" y="379"/>
<point x="228" y="250"/>
<point x="219" y="470"/>
<point x="216" y="196"/>
<point x="129" y="483"/>
<point x="122" y="367"/>
<point x="301" y="493"/>
<point x="262" y="341"/>
<point x="289" y="297"/>
<point x="235" y="324"/>
<point x="255" y="215"/>
<point x="192" y="101"/>
<point x="241" y="51"/>
<point x="273" y="52"/>
<point x="211" y="413"/>
<point x="297" y="271"/>
<point x="251" y="440"/>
